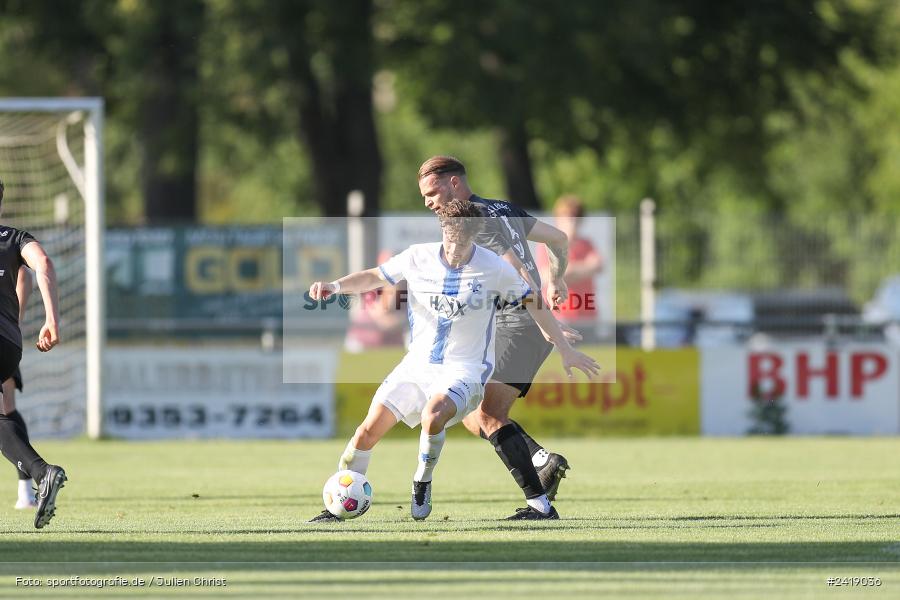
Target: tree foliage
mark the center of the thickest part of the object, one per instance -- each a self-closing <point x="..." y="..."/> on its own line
<point x="621" y="78"/>
<point x="777" y="111"/>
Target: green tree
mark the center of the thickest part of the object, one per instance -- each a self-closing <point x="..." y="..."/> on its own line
<point x="141" y="57"/>
<point x="322" y="54"/>
<point x="157" y="63"/>
<point x="620" y="76"/>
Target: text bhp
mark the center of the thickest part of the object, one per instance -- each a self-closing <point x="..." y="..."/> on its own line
<point x="767" y="373"/>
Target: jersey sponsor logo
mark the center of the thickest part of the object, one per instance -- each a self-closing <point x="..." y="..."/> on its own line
<point x="448" y="307"/>
<point x="4" y="233"/>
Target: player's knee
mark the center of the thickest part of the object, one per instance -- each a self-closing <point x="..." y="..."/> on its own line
<point x="431" y="422"/>
<point x="364" y="438"/>
<point x="435" y="418"/>
<point x="8" y="399"/>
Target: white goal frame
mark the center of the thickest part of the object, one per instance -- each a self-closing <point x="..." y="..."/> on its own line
<point x="92" y="189"/>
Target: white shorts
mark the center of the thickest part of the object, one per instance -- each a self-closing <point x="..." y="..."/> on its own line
<point x="406" y="391"/>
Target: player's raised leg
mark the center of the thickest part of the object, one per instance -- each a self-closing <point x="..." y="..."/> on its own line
<point x="551" y="467"/>
<point x="492" y="419"/>
<point x="438" y="412"/>
<point x="26" y="498"/>
<point x="358" y="453"/>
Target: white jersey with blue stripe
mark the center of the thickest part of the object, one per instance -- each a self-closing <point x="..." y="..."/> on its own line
<point x="452" y="311"/>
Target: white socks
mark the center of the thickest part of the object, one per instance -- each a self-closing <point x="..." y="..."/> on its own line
<point x="540" y="503"/>
<point x="430" y="447"/>
<point x="355" y="459"/>
<point x="26" y="490"/>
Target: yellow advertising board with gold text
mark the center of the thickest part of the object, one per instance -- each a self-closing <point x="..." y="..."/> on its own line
<point x="655" y="393"/>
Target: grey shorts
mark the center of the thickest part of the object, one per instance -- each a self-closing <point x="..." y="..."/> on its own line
<point x="520" y="352"/>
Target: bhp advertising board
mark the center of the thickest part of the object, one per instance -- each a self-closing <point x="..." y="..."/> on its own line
<point x="850" y="389"/>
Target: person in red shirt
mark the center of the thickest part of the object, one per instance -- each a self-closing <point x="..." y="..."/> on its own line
<point x="380" y="319"/>
<point x="580" y="310"/>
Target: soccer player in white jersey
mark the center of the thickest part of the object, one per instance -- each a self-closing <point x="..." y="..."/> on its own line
<point x="454" y="289"/>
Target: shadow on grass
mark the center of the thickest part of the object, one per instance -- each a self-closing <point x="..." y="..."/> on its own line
<point x="334" y="547"/>
<point x="776" y="517"/>
<point x="267" y="498"/>
<point x="399" y="523"/>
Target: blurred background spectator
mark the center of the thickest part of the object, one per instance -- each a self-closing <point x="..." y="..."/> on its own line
<point x="581" y="309"/>
<point x="380" y="317"/>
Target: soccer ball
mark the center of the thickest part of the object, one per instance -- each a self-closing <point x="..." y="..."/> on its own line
<point x="347" y="494"/>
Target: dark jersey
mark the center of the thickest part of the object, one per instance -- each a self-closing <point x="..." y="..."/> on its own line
<point x="11" y="243"/>
<point x="508" y="229"/>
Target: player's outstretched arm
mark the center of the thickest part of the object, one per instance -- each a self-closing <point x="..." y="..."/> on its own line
<point x="35" y="257"/>
<point x="557" y="255"/>
<point x="571" y="357"/>
<point x="354" y="283"/>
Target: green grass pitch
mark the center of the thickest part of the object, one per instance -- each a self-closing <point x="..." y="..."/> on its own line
<point x="687" y="517"/>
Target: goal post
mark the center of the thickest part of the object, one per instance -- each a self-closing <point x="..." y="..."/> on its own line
<point x="51" y="160"/>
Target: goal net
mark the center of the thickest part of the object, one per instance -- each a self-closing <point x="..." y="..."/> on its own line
<point x="50" y="164"/>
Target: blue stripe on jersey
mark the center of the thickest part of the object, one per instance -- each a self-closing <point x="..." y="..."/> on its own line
<point x="451" y="288"/>
<point x="390" y="280"/>
<point x="409" y="317"/>
<point x="487" y="344"/>
<point x="451" y="282"/>
<point x="440" y="341"/>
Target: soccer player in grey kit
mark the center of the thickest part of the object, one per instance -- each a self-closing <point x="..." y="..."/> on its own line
<point x="521" y="347"/>
<point x="18" y="248"/>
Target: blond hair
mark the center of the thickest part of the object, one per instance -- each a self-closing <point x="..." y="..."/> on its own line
<point x="569" y="205"/>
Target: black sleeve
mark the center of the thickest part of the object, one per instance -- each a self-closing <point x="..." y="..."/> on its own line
<point x="524" y="218"/>
<point x="22" y="239"/>
<point x="494" y="236"/>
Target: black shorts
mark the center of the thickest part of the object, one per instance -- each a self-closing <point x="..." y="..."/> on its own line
<point x="520" y="352"/>
<point x="10" y="356"/>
